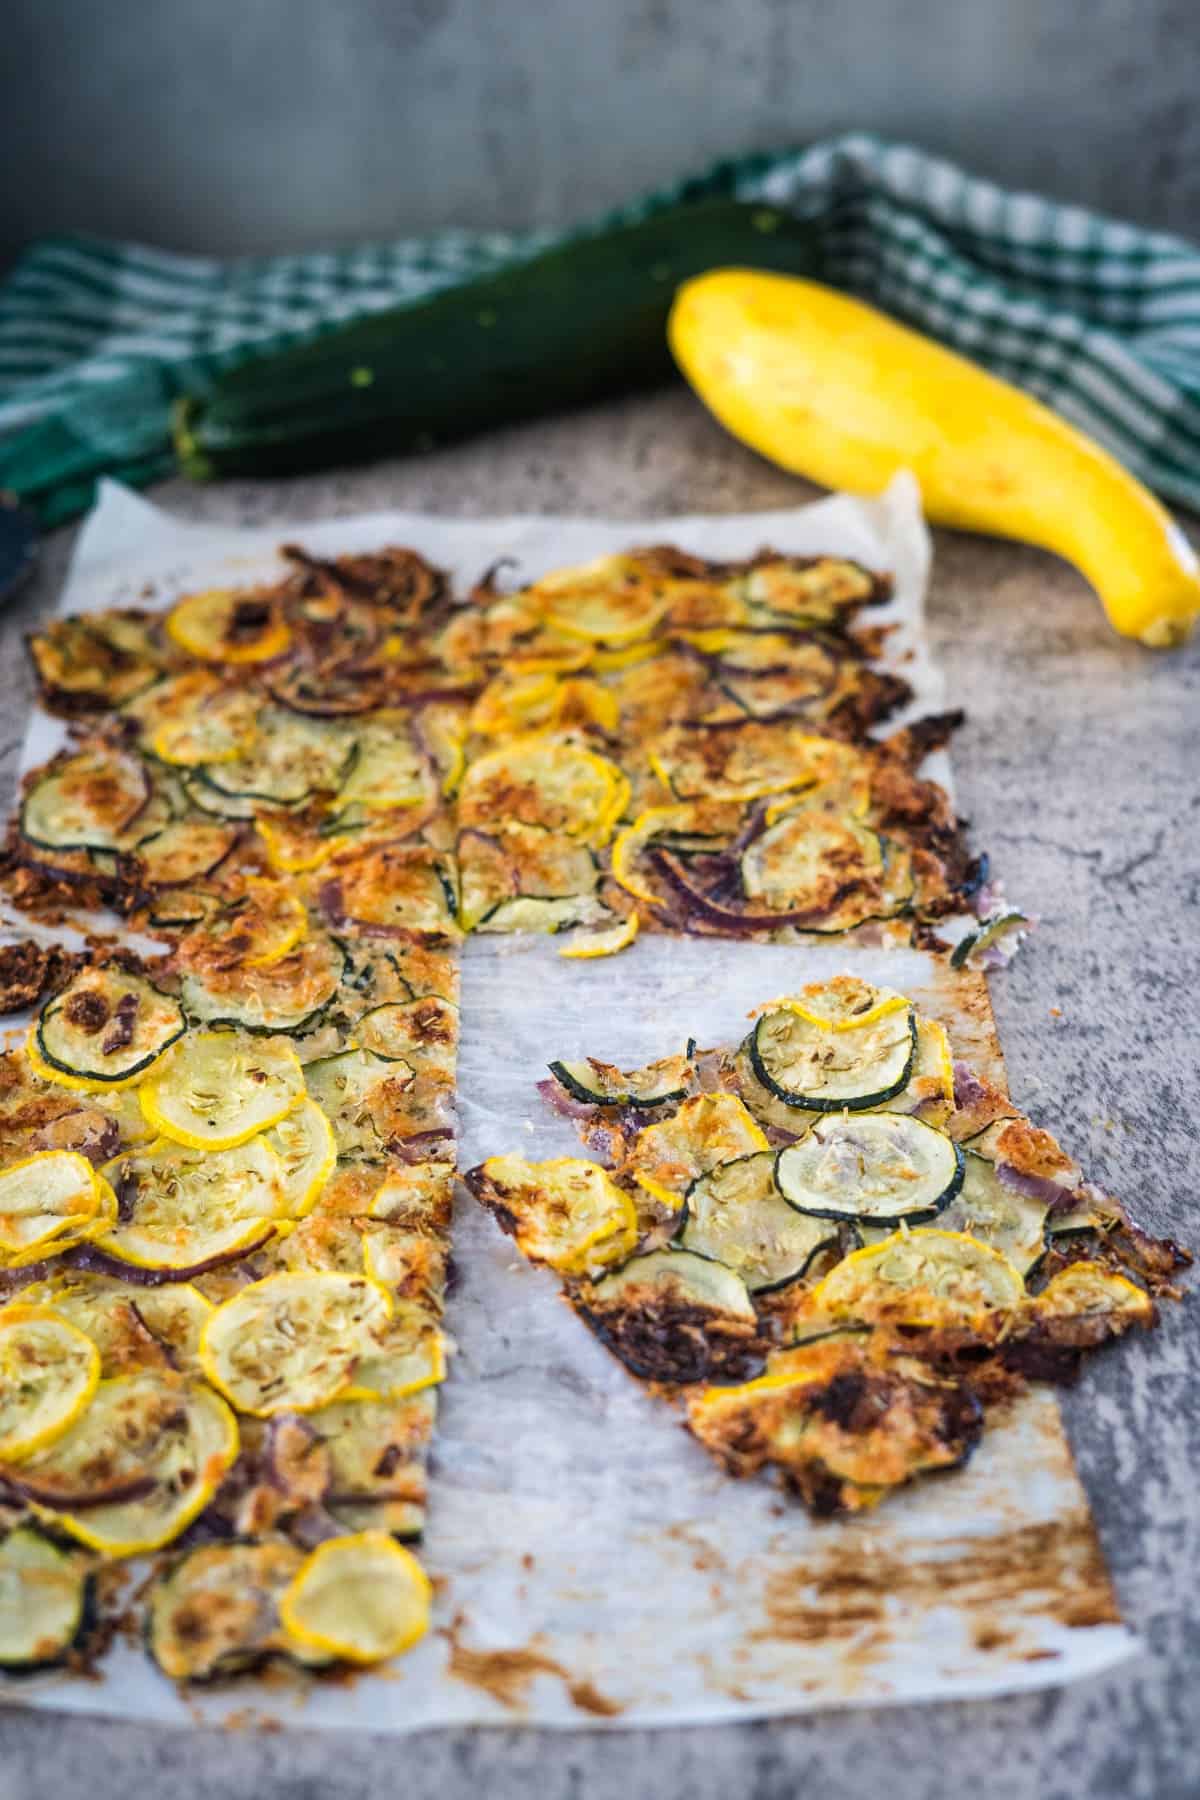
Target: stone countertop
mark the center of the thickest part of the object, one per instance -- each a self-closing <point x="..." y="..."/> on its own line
<point x="1078" y="767"/>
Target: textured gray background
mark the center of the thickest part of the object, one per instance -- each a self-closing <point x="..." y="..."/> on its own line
<point x="1079" y="767"/>
<point x="255" y="125"/>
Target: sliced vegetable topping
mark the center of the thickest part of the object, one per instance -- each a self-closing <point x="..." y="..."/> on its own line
<point x="138" y="1465"/>
<point x="674" y="1316"/>
<point x="287" y="995"/>
<point x="595" y="1083"/>
<point x="736" y="1214"/>
<point x="306" y="1147"/>
<point x="182" y="1210"/>
<point x="359" y="1598"/>
<point x="215" y="1089"/>
<point x="47" y="1202"/>
<point x="230" y="626"/>
<point x="91" y="800"/>
<point x="216" y="1612"/>
<point x="813" y="861"/>
<point x="605" y="942"/>
<point x="1087" y="1289"/>
<point x="291" y="1342"/>
<point x="708" y="1129"/>
<point x="846" y="1003"/>
<point x="879" y="1167"/>
<point x="567" y="1213"/>
<point x="995" y="1213"/>
<point x="48" y="1373"/>
<point x="744" y="761"/>
<point x="546" y="780"/>
<point x="104" y="1030"/>
<point x="819" y="1068"/>
<point x="922" y="1277"/>
<point x="45" y="1592"/>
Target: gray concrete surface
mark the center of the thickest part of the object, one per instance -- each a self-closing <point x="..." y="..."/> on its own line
<point x="1079" y="767"/>
<point x="283" y="124"/>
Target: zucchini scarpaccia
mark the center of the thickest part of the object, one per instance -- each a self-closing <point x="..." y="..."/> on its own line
<point x="571" y="325"/>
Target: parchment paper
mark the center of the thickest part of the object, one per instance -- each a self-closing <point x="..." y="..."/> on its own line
<point x="592" y="1565"/>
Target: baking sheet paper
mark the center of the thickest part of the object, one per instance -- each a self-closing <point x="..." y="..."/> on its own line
<point x="592" y="1565"/>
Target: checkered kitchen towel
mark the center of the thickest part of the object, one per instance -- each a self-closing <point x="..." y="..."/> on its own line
<point x="1099" y="319"/>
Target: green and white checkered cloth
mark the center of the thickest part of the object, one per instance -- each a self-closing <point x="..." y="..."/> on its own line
<point x="1099" y="319"/>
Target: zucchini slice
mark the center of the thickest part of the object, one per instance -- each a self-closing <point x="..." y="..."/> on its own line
<point x="137" y="1467"/>
<point x="806" y="591"/>
<point x="1001" y="932"/>
<point x="567" y="1213"/>
<point x="674" y="1316"/>
<point x="422" y="1033"/>
<point x="922" y="1277"/>
<point x="745" y="760"/>
<point x="879" y="1168"/>
<point x="48" y="1374"/>
<point x="818" y="1069"/>
<point x="668" y="1156"/>
<point x="390" y="890"/>
<point x="195" y="719"/>
<point x="358" y="1092"/>
<point x="182" y="1210"/>
<point x="91" y="800"/>
<point x="514" y="862"/>
<point x="306" y="1147"/>
<point x="291" y="1342"/>
<point x="229" y="625"/>
<point x="185" y="850"/>
<point x="391" y="767"/>
<point x="96" y="661"/>
<point x="217" y="1089"/>
<point x="48" y="1201"/>
<point x="736" y="1215"/>
<point x="816" y="862"/>
<point x="293" y="758"/>
<point x="613" y="600"/>
<point x="216" y="1612"/>
<point x="545" y="779"/>
<point x="663" y="1083"/>
<point x="45" y="1600"/>
<point x="990" y="1210"/>
<point x="105" y="1029"/>
<point x="288" y="995"/>
<point x="359" y="1598"/>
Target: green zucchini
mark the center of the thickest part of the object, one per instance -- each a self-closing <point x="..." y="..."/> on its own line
<point x="662" y="1083"/>
<point x="1001" y="932"/>
<point x="107" y="1026"/>
<point x="93" y="800"/>
<point x="46" y="1596"/>
<point x="673" y="1315"/>
<point x="989" y="1209"/>
<point x="808" y="1066"/>
<point x="881" y="1168"/>
<point x="737" y="1215"/>
<point x="575" y="324"/>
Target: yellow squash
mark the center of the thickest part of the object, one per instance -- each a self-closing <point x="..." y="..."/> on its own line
<point x="832" y="389"/>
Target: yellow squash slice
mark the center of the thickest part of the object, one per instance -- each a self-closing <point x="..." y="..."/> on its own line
<point x="291" y="1342"/>
<point x="307" y="1149"/>
<point x="216" y="1089"/>
<point x="186" y="1209"/>
<point x="48" y="1373"/>
<point x="548" y="780"/>
<point x="566" y="1212"/>
<point x="360" y="1598"/>
<point x="921" y="1277"/>
<point x="159" y="1446"/>
<point x="587" y="944"/>
<point x="47" y="1202"/>
<point x="227" y="625"/>
<point x="708" y="1129"/>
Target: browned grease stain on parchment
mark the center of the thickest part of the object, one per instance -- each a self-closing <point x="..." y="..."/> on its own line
<point x="507" y="1674"/>
<point x="1053" y="1570"/>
